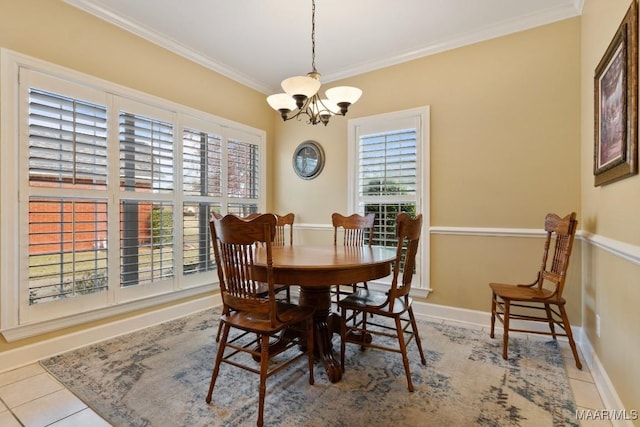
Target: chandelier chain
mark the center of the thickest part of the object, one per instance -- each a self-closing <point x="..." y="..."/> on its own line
<point x="313" y="36"/>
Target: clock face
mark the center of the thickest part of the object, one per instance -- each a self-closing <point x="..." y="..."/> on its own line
<point x="308" y="160"/>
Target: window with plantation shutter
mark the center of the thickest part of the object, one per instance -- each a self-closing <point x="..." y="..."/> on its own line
<point x="107" y="196"/>
<point x="386" y="159"/>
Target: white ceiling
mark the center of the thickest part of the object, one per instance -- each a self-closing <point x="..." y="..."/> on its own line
<point x="260" y="42"/>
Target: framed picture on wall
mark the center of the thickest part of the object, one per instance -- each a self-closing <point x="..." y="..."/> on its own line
<point x="615" y="153"/>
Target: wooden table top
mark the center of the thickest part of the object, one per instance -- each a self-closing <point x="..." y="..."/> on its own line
<point x="325" y="256"/>
<point x="326" y="265"/>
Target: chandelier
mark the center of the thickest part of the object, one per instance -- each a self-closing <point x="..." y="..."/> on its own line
<point x="301" y="92"/>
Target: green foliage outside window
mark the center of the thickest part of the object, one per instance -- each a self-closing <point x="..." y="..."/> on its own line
<point x="161" y="226"/>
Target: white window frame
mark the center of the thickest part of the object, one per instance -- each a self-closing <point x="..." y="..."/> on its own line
<point x="19" y="320"/>
<point x="417" y="118"/>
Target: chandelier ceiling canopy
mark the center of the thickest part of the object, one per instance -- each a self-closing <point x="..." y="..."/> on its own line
<point x="301" y="92"/>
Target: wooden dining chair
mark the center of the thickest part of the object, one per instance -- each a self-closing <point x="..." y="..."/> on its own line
<point x="278" y="240"/>
<point x="544" y="295"/>
<point x="394" y="304"/>
<point x="284" y="229"/>
<point x="284" y="237"/>
<point x="356" y="230"/>
<point x="260" y="320"/>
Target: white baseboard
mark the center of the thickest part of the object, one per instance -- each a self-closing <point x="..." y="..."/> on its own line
<point x="25" y="355"/>
<point x="602" y="381"/>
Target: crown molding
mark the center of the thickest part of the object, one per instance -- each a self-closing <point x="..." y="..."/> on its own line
<point x="463" y="39"/>
<point x="156" y="38"/>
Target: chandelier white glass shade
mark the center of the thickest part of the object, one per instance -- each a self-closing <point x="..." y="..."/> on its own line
<point x="301" y="97"/>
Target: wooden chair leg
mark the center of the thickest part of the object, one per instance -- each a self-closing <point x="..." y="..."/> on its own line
<point x="219" y="331"/>
<point x="416" y="335"/>
<point x="505" y="337"/>
<point x="547" y="308"/>
<point x="493" y="315"/>
<point x="264" y="365"/>
<point x="572" y="343"/>
<point x="310" y="349"/>
<point x="343" y="336"/>
<point x="403" y="350"/>
<point x="216" y="366"/>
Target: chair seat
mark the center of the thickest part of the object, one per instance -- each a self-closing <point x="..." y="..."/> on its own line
<point x="373" y="301"/>
<point x="288" y="314"/>
<point x="524" y="293"/>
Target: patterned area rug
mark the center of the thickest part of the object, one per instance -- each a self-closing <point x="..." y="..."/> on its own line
<point x="160" y="376"/>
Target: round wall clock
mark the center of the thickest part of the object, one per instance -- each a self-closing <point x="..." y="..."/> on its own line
<point x="308" y="160"/>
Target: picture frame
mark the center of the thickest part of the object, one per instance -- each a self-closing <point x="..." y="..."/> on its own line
<point x="616" y="105"/>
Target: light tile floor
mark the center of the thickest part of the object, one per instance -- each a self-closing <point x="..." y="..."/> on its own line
<point x="30" y="397"/>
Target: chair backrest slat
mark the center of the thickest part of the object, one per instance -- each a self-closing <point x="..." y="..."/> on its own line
<point x="561" y="231"/>
<point x="357" y="229"/>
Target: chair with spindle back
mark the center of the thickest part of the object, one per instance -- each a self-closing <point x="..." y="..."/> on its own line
<point x="394" y="304"/>
<point x="544" y="294"/>
<point x="357" y="230"/>
<point x="260" y="320"/>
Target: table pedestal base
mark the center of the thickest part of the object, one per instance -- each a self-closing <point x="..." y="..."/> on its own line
<point x="325" y="324"/>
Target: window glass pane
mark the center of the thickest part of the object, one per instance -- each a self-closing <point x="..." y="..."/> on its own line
<point x="198" y="251"/>
<point x="202" y="161"/>
<point x="67" y="248"/>
<point x="146" y="241"/>
<point x="67" y="142"/>
<point x="146" y="154"/>
<point x="243" y="163"/>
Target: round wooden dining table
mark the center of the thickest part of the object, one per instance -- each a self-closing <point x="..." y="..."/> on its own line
<point x="316" y="269"/>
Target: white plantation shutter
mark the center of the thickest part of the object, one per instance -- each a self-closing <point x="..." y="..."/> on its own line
<point x="202" y="171"/>
<point x="146" y="242"/>
<point x="67" y="252"/>
<point x="146" y="153"/>
<point x="388" y="163"/>
<point x="67" y="151"/>
<point x="67" y="141"/>
<point x="243" y="176"/>
<point x="202" y="162"/>
<point x="387" y="179"/>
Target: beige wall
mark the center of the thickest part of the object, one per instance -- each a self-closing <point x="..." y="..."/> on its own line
<point x="611" y="284"/>
<point x="505" y="138"/>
